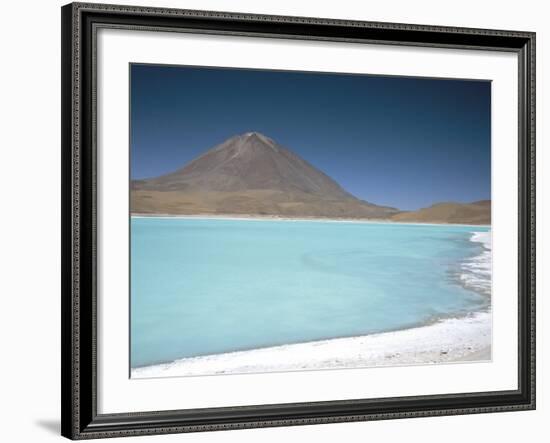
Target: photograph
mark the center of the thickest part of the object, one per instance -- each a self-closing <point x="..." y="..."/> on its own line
<point x="299" y="220"/>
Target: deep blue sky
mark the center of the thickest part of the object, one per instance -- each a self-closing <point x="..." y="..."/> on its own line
<point x="403" y="142"/>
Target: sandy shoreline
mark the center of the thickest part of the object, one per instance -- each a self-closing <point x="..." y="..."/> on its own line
<point x="245" y="217"/>
<point x="465" y="339"/>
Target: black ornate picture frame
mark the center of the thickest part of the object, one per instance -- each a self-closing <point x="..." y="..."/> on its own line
<point x="80" y="419"/>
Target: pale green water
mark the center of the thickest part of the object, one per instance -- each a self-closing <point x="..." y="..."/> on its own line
<point x="203" y="286"/>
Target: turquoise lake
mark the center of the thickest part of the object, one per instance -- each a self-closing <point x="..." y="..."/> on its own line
<point x="208" y="286"/>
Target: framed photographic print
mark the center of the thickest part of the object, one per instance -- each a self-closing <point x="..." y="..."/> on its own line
<point x="273" y="221"/>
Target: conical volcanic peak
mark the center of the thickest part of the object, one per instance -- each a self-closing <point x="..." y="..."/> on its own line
<point x="250" y="173"/>
<point x="251" y="161"/>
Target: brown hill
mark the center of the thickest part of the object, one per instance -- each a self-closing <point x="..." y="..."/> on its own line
<point x="250" y="174"/>
<point x="467" y="213"/>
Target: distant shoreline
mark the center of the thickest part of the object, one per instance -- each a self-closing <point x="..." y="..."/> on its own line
<point x="246" y="217"/>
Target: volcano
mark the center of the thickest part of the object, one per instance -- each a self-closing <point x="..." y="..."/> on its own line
<point x="250" y="174"/>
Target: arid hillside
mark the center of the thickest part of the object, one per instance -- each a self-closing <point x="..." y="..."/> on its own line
<point x="468" y="213"/>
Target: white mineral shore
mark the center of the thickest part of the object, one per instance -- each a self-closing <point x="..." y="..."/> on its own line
<point x="464" y="339"/>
